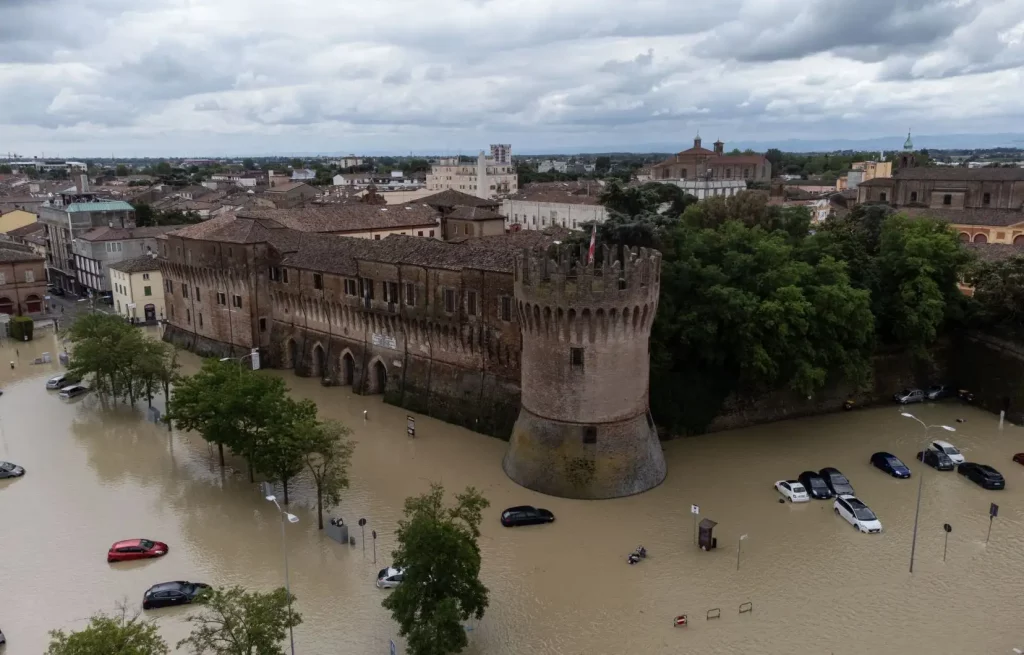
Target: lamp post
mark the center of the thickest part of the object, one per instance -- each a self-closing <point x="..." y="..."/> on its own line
<point x="920" y="481"/>
<point x="284" y="547"/>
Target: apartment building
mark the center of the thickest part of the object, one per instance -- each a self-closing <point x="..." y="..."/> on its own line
<point x="487" y="177"/>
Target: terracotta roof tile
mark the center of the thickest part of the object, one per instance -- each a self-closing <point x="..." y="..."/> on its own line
<point x="955" y="174"/>
<point x="136" y="265"/>
<point x="992" y="217"/>
<point x="453" y="198"/>
<point x="991" y="252"/>
<point x="339" y="218"/>
<point x="570" y="193"/>
<point x="475" y="214"/>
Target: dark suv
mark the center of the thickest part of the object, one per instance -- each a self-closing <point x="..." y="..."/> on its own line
<point x="815" y="485"/>
<point x="982" y="474"/>
<point x="836" y="481"/>
<point x="936" y="459"/>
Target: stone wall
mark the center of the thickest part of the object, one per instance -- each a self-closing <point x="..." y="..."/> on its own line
<point x="893" y="370"/>
<point x="992" y="369"/>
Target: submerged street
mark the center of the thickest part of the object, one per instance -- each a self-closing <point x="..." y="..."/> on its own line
<point x="96" y="475"/>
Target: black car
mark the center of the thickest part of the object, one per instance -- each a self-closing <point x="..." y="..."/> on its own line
<point x="890" y="464"/>
<point x="56" y="291"/>
<point x="815" y="485"/>
<point x="9" y="470"/>
<point x="167" y="594"/>
<point x="983" y="475"/>
<point x="936" y="459"/>
<point x="836" y="481"/>
<point x="525" y="515"/>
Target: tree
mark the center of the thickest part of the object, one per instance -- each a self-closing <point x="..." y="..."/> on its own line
<point x="120" y="634"/>
<point x="111" y="353"/>
<point x="144" y="214"/>
<point x="163" y="168"/>
<point x="603" y="164"/>
<point x="238" y="622"/>
<point x="297" y="163"/>
<point x="248" y="164"/>
<point x="999" y="292"/>
<point x="5" y="169"/>
<point x="328" y="455"/>
<point x="437" y="548"/>
<point x="280" y="451"/>
<point x="121" y="170"/>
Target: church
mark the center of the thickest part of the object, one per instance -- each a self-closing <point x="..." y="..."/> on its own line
<point x="699" y="163"/>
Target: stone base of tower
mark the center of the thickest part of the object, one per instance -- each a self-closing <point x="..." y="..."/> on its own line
<point x="563" y="459"/>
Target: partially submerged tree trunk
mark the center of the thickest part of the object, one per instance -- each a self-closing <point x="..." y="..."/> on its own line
<point x="220" y="449"/>
<point x="319" y="506"/>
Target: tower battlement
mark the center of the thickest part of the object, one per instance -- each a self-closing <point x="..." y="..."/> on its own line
<point x="561" y="275"/>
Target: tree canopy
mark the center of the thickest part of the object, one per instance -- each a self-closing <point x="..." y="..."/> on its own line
<point x="238" y="622"/>
<point x="120" y="634"/>
<point x="438" y="549"/>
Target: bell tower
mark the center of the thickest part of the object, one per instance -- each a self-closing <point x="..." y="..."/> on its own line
<point x="585" y="428"/>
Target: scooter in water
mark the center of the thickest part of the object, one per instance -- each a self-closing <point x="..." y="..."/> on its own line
<point x="637" y="555"/>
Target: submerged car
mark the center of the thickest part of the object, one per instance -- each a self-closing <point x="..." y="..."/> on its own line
<point x="936" y="459"/>
<point x="525" y="515"/>
<point x="909" y="396"/>
<point x="61" y="381"/>
<point x="1019" y="458"/>
<point x="836" y="481"/>
<point x="389" y="578"/>
<point x="168" y="594"/>
<point x="940" y="391"/>
<point x="130" y="549"/>
<point x="10" y="470"/>
<point x="890" y="464"/>
<point x="949" y="450"/>
<point x="815" y="485"/>
<point x="74" y="391"/>
<point x="792" y="490"/>
<point x="983" y="475"/>
<point x="857" y="513"/>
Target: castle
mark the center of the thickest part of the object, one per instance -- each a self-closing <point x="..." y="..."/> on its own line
<point x="487" y="332"/>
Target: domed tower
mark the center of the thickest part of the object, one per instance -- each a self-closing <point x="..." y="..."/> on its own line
<point x="585" y="428"/>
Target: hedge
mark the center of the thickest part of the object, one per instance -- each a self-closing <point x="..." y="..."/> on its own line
<point x="21" y="327"/>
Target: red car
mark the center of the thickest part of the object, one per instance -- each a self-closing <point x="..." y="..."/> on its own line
<point x="130" y="549"/>
<point x="1019" y="458"/>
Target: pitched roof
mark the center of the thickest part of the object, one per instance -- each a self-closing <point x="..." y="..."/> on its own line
<point x="726" y="160"/>
<point x="989" y="217"/>
<point x="99" y="206"/>
<point x="878" y="181"/>
<point x="339" y="218"/>
<point x="286" y="187"/>
<point x="13" y="252"/>
<point x="991" y="252"/>
<point x="136" y="265"/>
<point x="26" y="230"/>
<point x="229" y="229"/>
<point x="965" y="174"/>
<point x="453" y="198"/>
<point x="570" y="193"/>
<point x="105" y="233"/>
<point x="475" y="214"/>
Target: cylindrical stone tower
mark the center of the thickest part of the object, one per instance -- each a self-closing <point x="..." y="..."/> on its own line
<point x="585" y="428"/>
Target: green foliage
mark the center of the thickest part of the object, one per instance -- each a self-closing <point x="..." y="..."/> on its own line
<point x="328" y="455"/>
<point x="238" y="622"/>
<point x="146" y="216"/>
<point x="248" y="164"/>
<point x="120" y="361"/>
<point x="437" y="547"/>
<point x="5" y="169"/>
<point x="121" y="170"/>
<point x="21" y="327"/>
<point x="120" y="634"/>
<point x="999" y="293"/>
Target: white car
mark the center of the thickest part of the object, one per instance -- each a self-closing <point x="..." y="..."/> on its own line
<point x="389" y="578"/>
<point x="857" y="513"/>
<point x="792" y="490"/>
<point x="951" y="451"/>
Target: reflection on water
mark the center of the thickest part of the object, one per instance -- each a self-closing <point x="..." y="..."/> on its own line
<point x="98" y="474"/>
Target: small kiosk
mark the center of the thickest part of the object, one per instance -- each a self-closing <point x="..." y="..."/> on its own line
<point x="705" y="539"/>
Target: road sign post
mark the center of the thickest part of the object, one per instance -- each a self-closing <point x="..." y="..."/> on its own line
<point x="362" y="533"/>
<point x="993" y="511"/>
<point x="374" y="534"/>
<point x="947" y="528"/>
<point x="410" y="426"/>
<point x="695" y="510"/>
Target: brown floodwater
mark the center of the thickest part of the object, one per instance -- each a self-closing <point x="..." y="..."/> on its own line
<point x="97" y="475"/>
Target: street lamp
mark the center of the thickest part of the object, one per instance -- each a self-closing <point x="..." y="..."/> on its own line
<point x="284" y="546"/>
<point x="255" y="353"/>
<point x="920" y="481"/>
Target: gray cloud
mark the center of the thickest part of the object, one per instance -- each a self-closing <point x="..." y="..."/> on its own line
<point x="398" y="74"/>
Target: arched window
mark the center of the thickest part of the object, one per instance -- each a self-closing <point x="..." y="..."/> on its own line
<point x="965" y="238"/>
<point x="6" y="306"/>
<point x="980" y="238"/>
<point x="1018" y="240"/>
<point x="913" y="196"/>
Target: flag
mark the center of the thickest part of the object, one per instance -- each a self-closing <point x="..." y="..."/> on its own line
<point x="593" y="242"/>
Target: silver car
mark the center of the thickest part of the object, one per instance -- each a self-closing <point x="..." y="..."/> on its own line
<point x="389" y="578"/>
<point x="73" y="391"/>
<point x="908" y="396"/>
<point x="60" y="381"/>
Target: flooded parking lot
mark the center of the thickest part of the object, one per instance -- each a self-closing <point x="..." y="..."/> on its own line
<point x="97" y="475"/>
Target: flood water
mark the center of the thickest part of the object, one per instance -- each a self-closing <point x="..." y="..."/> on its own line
<point x="817" y="586"/>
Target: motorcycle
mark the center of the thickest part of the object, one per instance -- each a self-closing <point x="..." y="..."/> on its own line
<point x="637" y="555"/>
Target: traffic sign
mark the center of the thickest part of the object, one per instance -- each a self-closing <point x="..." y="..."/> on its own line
<point x="391" y="647"/>
<point x="947" y="527"/>
<point x="410" y="426"/>
<point x="362" y="522"/>
<point x="694" y="509"/>
<point x="993" y="510"/>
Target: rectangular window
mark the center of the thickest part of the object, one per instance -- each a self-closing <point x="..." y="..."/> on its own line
<point x="145" y="276"/>
<point x="882" y="197"/>
<point x="590" y="435"/>
<point x="986" y="198"/>
<point x="419" y="233"/>
<point x="431" y="233"/>
<point x="350" y="288"/>
<point x="147" y="291"/>
<point x="410" y="294"/>
<point x="318" y="281"/>
<point x="222" y="298"/>
<point x="466" y="228"/>
<point x="576" y="358"/>
<point x="376" y="237"/>
<point x="188" y="317"/>
<point x="198" y="297"/>
<point x="366" y="288"/>
<point x="449" y="300"/>
<point x="471" y="303"/>
<point x="200" y="320"/>
<point x="3" y="278"/>
<point x="506" y="308"/>
<point x="284" y="275"/>
<point x="263" y="325"/>
<point x="391" y="292"/>
<point x="947" y="199"/>
<point x="184" y="290"/>
<point x="30" y="276"/>
<point x="236" y="301"/>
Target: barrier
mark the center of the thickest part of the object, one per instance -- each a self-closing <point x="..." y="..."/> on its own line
<point x="746" y="607"/>
<point x="714" y="613"/>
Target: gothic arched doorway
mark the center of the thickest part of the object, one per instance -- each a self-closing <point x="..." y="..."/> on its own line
<point x="378" y="378"/>
<point x="319" y="362"/>
<point x="291" y="354"/>
<point x="348" y="368"/>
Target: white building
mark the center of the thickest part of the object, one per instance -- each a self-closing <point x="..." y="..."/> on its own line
<point x="485" y="178"/>
<point x="709" y="188"/>
<point x="542" y="205"/>
<point x="552" y="165"/>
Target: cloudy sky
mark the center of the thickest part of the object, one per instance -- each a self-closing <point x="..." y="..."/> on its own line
<point x="192" y="77"/>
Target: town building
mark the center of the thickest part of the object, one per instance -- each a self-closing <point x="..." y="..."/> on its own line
<point x="541" y="205"/>
<point x="358" y="220"/>
<point x="75" y="212"/>
<point x="291" y="194"/>
<point x="552" y="166"/>
<point x="16" y="218"/>
<point x="137" y="288"/>
<point x="32" y="235"/>
<point x="303" y="175"/>
<point x="486" y="178"/>
<point x="462" y="215"/>
<point x="862" y="171"/>
<point x="22" y="280"/>
<point x="700" y="163"/>
<point x="97" y="249"/>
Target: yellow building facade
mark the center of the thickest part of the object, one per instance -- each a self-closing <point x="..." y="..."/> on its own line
<point x="138" y="290"/>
